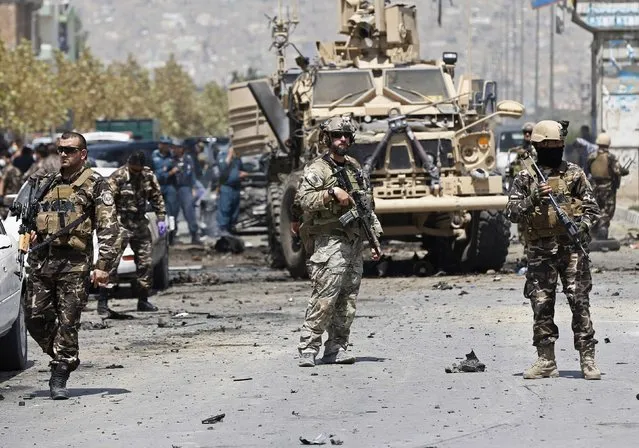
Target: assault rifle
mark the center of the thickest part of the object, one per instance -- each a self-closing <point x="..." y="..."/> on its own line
<point x="26" y="213"/>
<point x="569" y="224"/>
<point x="361" y="209"/>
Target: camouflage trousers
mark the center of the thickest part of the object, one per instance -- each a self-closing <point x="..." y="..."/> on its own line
<point x="606" y="197"/>
<point x="541" y="284"/>
<point x="335" y="269"/>
<point x="52" y="313"/>
<point x="139" y="237"/>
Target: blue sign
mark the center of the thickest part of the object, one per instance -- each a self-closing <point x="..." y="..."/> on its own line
<point x="540" y="3"/>
<point x="609" y="15"/>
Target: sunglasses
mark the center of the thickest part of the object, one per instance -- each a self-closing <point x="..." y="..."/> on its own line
<point x="340" y="134"/>
<point x="68" y="149"/>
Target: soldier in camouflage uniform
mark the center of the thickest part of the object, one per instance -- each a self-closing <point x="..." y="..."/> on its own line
<point x="335" y="266"/>
<point x="516" y="165"/>
<point x="550" y="251"/>
<point x="132" y="186"/>
<point x="605" y="175"/>
<point x="10" y="183"/>
<point x="59" y="272"/>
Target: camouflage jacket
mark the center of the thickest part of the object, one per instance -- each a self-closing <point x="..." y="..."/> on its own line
<point x="50" y="164"/>
<point x="12" y="179"/>
<point x="131" y="194"/>
<point x="94" y="198"/>
<point x="318" y="217"/>
<point x="615" y="170"/>
<point x="520" y="208"/>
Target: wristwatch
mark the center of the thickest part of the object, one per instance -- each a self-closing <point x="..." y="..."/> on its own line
<point x="331" y="192"/>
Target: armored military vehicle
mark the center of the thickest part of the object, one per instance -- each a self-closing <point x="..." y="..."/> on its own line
<point x="426" y="143"/>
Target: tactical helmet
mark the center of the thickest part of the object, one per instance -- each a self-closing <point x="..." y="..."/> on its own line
<point x="337" y="124"/>
<point x="603" y="139"/>
<point x="166" y="139"/>
<point x="528" y="126"/>
<point x="546" y="130"/>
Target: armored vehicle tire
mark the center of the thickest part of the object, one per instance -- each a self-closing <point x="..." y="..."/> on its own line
<point x="488" y="247"/>
<point x="13" y="345"/>
<point x="273" y="211"/>
<point x="292" y="248"/>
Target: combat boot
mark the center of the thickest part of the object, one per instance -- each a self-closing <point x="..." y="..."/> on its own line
<point x="341" y="356"/>
<point x="196" y="241"/>
<point x="58" y="382"/>
<point x="545" y="366"/>
<point x="145" y="305"/>
<point x="588" y="366"/>
<point x="307" y="359"/>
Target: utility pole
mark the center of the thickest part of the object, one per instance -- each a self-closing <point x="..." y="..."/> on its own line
<point x="537" y="63"/>
<point x="513" y="27"/>
<point x="551" y="93"/>
<point x="522" y="53"/>
<point x="507" y="55"/>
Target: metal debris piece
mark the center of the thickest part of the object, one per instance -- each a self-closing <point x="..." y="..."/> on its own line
<point x="214" y="419"/>
<point x="470" y="364"/>
<point x="319" y="440"/>
<point x="94" y="325"/>
<point x="442" y="286"/>
<point x="607" y="340"/>
<point x="115" y="366"/>
<point x="114" y="315"/>
<point x="243" y="379"/>
<point x="336" y="441"/>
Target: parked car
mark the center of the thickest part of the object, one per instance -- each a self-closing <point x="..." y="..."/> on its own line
<point x="126" y="268"/>
<point x="115" y="155"/>
<point x="507" y="139"/>
<point x="13" y="330"/>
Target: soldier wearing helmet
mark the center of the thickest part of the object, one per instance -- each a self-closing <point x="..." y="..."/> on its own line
<point x="550" y="251"/>
<point x="335" y="264"/>
<point x="516" y="156"/>
<point x="605" y="175"/>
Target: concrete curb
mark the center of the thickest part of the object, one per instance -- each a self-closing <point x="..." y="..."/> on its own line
<point x="627" y="215"/>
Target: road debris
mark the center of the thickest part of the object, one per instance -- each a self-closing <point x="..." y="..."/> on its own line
<point x="243" y="379"/>
<point x="229" y="243"/>
<point x="94" y="326"/>
<point x="442" y="286"/>
<point x="607" y="340"/>
<point x="115" y="366"/>
<point x="114" y="315"/>
<point x="470" y="364"/>
<point x="204" y="278"/>
<point x="214" y="419"/>
<point x="319" y="440"/>
<point x="180" y="315"/>
<point x="336" y="441"/>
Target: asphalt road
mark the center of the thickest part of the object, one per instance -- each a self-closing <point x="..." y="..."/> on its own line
<point x="235" y="354"/>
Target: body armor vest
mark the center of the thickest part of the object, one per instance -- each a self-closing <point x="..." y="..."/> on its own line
<point x="58" y="208"/>
<point x="600" y="167"/>
<point x="327" y="221"/>
<point x="545" y="222"/>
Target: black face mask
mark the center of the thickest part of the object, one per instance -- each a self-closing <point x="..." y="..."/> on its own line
<point x="550" y="157"/>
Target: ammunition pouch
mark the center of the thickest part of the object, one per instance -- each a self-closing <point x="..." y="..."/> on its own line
<point x="544" y="221"/>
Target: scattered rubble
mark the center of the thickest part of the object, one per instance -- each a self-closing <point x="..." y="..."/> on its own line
<point x="204" y="278"/>
<point x="442" y="286"/>
<point x="94" y="325"/>
<point x="470" y="364"/>
<point x="214" y="419"/>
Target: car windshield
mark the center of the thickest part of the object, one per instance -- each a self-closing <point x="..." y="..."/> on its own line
<point x="510" y="139"/>
<point x="331" y="86"/>
<point x="415" y="84"/>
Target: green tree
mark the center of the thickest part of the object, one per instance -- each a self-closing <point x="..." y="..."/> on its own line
<point x="175" y="97"/>
<point x="213" y="109"/>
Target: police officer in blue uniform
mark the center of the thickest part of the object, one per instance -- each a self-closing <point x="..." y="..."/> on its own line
<point x="166" y="170"/>
<point x="230" y="182"/>
<point x="185" y="182"/>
